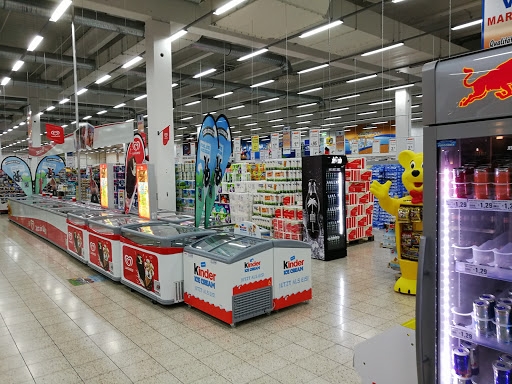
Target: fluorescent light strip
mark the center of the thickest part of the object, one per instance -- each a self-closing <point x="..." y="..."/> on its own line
<point x="101" y="112"/>
<point x="362" y="78"/>
<point x="383" y="49"/>
<point x="366" y="113"/>
<point x="82" y="91"/>
<point x="174" y="85"/>
<point x="273" y="111"/>
<point x="177" y="35"/>
<point x="309" y="91"/>
<point x="129" y="121"/>
<point x="415" y="106"/>
<point x="327" y="125"/>
<point x="17" y="65"/>
<point x="59" y="11"/>
<point x="86" y="117"/>
<point x="132" y="62"/>
<point x="301" y="128"/>
<point x="237" y="132"/>
<point x="22" y="123"/>
<point x="236" y="107"/>
<point x="269" y="100"/>
<point x="313" y="69"/>
<point x="381" y="102"/>
<point x="5" y="81"/>
<point x="140" y="97"/>
<point x="466" y="25"/>
<point x="226" y="7"/>
<point x="245" y="117"/>
<point x="34" y="43"/>
<point x="348" y="97"/>
<point x="251" y="124"/>
<point x="333" y="118"/>
<point x="103" y="79"/>
<point x="262" y="83"/>
<point x="204" y="73"/>
<point x="222" y="95"/>
<point x="255" y="129"/>
<point x="64" y="101"/>
<point x="255" y="53"/>
<point x="369" y="127"/>
<point x="306" y="105"/>
<point x="303" y="122"/>
<point x="119" y="105"/>
<point x="305" y="115"/>
<point x="275" y="120"/>
<point x="400" y="87"/>
<point x="416" y="118"/>
<point x="339" y="109"/>
<point x="187" y="118"/>
<point x="50" y="108"/>
<point x="64" y="126"/>
<point x="278" y="126"/>
<point x="182" y="128"/>
<point x="321" y="29"/>
<point x="192" y="103"/>
<point x="380" y="122"/>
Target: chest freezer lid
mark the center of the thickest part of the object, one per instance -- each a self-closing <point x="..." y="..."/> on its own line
<point x="112" y="224"/>
<point x="229" y="248"/>
<point x="290" y="244"/>
<point x="82" y="215"/>
<point x="163" y="234"/>
<point x="173" y="217"/>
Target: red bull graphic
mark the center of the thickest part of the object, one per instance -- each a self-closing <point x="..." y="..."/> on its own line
<point x="497" y="80"/>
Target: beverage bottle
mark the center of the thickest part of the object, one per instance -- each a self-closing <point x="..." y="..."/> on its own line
<point x="313" y="210"/>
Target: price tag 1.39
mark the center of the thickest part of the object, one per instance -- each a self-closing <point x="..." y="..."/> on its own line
<point x="476" y="270"/>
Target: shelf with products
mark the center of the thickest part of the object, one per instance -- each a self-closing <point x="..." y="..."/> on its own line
<point x="468" y="333"/>
<point x="119" y="185"/>
<point x="185" y="187"/>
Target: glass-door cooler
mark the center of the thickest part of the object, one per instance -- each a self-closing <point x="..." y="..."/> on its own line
<point x="464" y="301"/>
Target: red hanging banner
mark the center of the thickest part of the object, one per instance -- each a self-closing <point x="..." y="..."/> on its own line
<point x="55" y="133"/>
<point x="165" y="134"/>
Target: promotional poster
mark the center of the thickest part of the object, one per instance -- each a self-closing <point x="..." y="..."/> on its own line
<point x="46" y="171"/>
<point x="141" y="268"/>
<point x="104" y="185"/>
<point x="312" y="192"/>
<point x="205" y="163"/>
<point x="19" y="172"/>
<point x="134" y="155"/>
<point x="100" y="253"/>
<point x="75" y="240"/>
<point x="143" y="191"/>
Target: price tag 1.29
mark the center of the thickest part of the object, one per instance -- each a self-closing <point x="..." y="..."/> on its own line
<point x="480" y="204"/>
<point x="502" y="205"/>
<point x="457" y="203"/>
<point x="462" y="334"/>
<point x="476" y="270"/>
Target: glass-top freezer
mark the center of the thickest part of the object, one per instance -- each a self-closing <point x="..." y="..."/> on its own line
<point x="111" y="225"/>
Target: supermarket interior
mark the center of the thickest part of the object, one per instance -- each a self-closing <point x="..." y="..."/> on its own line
<point x="256" y="191"/>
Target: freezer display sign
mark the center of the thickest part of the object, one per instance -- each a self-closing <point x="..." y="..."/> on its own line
<point x="204" y="276"/>
<point x="100" y="253"/>
<point x="46" y="172"/>
<point x="76" y="240"/>
<point x="103" y="185"/>
<point x="141" y="268"/>
<point x="292" y="279"/>
<point x="19" y="172"/>
<point x="143" y="191"/>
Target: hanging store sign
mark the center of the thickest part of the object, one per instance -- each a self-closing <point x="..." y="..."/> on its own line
<point x="340" y="142"/>
<point x="296" y="139"/>
<point x="314" y="142"/>
<point x="287" y="141"/>
<point x="165" y="135"/>
<point x="497" y="23"/>
<point x="255" y="141"/>
<point x="274" y="146"/>
<point x="55" y="133"/>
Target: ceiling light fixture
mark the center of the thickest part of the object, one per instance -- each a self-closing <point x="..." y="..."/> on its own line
<point x="269" y="100"/>
<point x="237" y="132"/>
<point x="17" y="65"/>
<point x="415" y="106"/>
<point x="262" y="83"/>
<point x="369" y="127"/>
<point x="101" y="112"/>
<point x="348" y="97"/>
<point x="5" y="81"/>
<point x="245" y="117"/>
<point x="174" y="85"/>
<point x="278" y="126"/>
<point x="309" y="90"/>
<point x="129" y="121"/>
<point x="313" y="69"/>
<point x="192" y="103"/>
<point x="223" y="95"/>
<point x="251" y="124"/>
<point x="327" y="125"/>
<point x="132" y="62"/>
<point x="366" y="113"/>
<point x="255" y="129"/>
<point x="466" y="25"/>
<point x="82" y="91"/>
<point x="362" y="78"/>
<point x="64" y="126"/>
<point x="381" y="102"/>
<point x="236" y="107"/>
<point x="339" y="109"/>
<point x="64" y="101"/>
<point x="255" y="53"/>
<point x="204" y="73"/>
<point x="22" y="123"/>
<point x="303" y="122"/>
<point x="103" y="79"/>
<point x="273" y="111"/>
<point x="177" y="35"/>
<point x="119" y="105"/>
<point x="380" y="122"/>
<point x="321" y="29"/>
<point x="275" y="120"/>
<point x="226" y="7"/>
<point x="86" y="117"/>
<point x="140" y="97"/>
<point x="34" y="43"/>
<point x="383" y="49"/>
<point x="333" y="118"/>
<point x="187" y="118"/>
<point x="305" y="115"/>
<point x="50" y="108"/>
<point x="400" y="87"/>
<point x="182" y="128"/>
<point x="306" y="105"/>
<point x="59" y="11"/>
<point x="419" y="96"/>
<point x="416" y="118"/>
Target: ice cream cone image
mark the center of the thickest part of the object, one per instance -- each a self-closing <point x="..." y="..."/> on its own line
<point x="148" y="275"/>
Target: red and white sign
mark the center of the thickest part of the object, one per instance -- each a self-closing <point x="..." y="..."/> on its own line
<point x="55" y="133"/>
<point x="141" y="268"/>
<point x="100" y="253"/>
<point x="75" y="241"/>
<point x="165" y="135"/>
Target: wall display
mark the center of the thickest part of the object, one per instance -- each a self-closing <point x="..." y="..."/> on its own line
<point x="359" y="200"/>
<point x="497" y="23"/>
<point x="205" y="164"/>
<point x="224" y="151"/>
<point x="8" y="188"/>
<point x="134" y="155"/>
<point x="359" y="140"/>
<point x="19" y="172"/>
<point x="46" y="171"/>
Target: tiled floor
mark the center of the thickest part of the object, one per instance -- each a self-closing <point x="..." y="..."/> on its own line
<point x="52" y="332"/>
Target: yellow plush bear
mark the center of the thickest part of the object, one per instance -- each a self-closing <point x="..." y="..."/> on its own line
<point x="412" y="178"/>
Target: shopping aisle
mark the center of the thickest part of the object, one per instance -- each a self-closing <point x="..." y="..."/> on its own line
<point x="54" y="332"/>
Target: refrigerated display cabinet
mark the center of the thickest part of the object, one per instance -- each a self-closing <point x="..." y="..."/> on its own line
<point x="465" y="269"/>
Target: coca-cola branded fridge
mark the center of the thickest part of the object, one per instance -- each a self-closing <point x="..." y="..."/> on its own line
<point x="324" y="215"/>
<point x="464" y="296"/>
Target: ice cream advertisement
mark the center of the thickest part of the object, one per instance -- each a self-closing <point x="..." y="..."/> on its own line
<point x="141" y="268"/>
<point x="143" y="191"/>
<point x="46" y="171"/>
<point x="19" y="172"/>
<point x="103" y="185"/>
<point x="100" y="253"/>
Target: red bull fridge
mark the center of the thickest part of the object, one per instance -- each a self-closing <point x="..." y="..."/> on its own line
<point x="104" y="243"/>
<point x="153" y="258"/>
<point x="464" y="292"/>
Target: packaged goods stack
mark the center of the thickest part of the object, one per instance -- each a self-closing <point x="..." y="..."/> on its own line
<point x="359" y="199"/>
<point x="222" y="208"/>
<point x="8" y="188"/>
<point x="85" y="185"/>
<point x="119" y="186"/>
<point x="238" y="187"/>
<point x="383" y="173"/>
<point x="185" y="187"/>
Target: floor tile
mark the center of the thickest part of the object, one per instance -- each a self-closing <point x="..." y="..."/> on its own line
<point x="143" y="369"/>
<point x="292" y="374"/>
<point x="16" y="376"/>
<point x="131" y="356"/>
<point x="241" y="374"/>
<point x="11" y="362"/>
<point x="164" y="378"/>
<point x="222" y="360"/>
<point x="40" y="355"/>
<point x="293" y="352"/>
<point x="317" y="364"/>
<point x="191" y="372"/>
<point x="113" y="377"/>
<point x="48" y="366"/>
<point x="269" y="362"/>
<point x="67" y="376"/>
<point x="95" y="368"/>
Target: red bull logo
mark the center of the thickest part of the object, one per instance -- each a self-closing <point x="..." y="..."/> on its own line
<point x="497" y="80"/>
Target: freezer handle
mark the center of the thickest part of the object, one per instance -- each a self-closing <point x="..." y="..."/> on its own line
<point x="419" y="310"/>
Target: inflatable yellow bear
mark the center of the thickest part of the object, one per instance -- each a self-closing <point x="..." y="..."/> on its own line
<point x="412" y="178"/>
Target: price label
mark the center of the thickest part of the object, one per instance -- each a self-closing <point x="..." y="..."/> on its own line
<point x="457" y="203"/>
<point x="477" y="270"/>
<point x="480" y="204"/>
<point x="462" y="334"/>
<point x="502" y="205"/>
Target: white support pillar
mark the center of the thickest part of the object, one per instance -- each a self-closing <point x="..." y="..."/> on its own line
<point x="160" y="114"/>
<point x="402" y="118"/>
<point x="35" y="122"/>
